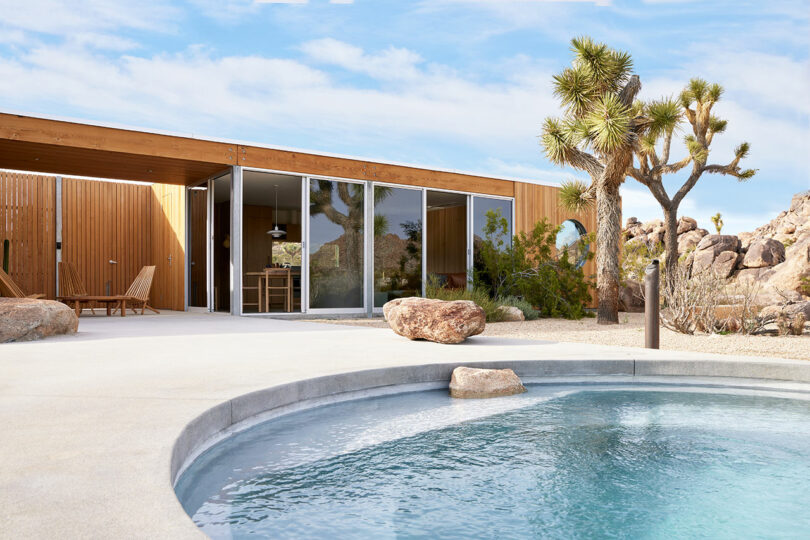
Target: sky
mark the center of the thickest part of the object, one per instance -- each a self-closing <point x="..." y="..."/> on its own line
<point x="455" y="84"/>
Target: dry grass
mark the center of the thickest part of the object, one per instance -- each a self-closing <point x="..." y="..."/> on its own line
<point x="630" y="333"/>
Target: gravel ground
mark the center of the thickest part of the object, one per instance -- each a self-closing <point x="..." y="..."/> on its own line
<point x="630" y="333"/>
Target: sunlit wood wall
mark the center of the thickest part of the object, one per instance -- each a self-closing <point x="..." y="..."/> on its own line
<point x="28" y="221"/>
<point x="534" y="202"/>
<point x="109" y="231"/>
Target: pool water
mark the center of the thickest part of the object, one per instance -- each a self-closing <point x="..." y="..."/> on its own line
<point x="558" y="462"/>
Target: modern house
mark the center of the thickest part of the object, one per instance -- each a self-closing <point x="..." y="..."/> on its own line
<point x="244" y="228"/>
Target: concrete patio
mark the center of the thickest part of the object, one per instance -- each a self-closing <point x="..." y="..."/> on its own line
<point x="89" y="421"/>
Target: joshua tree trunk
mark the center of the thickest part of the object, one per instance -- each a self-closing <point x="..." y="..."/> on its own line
<point x="670" y="243"/>
<point x="608" y="233"/>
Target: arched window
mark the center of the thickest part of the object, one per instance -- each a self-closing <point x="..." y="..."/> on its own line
<point x="568" y="238"/>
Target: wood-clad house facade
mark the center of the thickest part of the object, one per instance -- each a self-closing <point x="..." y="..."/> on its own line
<point x="202" y="211"/>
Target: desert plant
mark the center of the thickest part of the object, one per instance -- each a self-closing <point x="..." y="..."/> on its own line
<point x="690" y="304"/>
<point x="528" y="269"/>
<point x="479" y="295"/>
<point x="596" y="135"/>
<point x="636" y="256"/>
<point x="661" y="119"/>
<point x="717" y="219"/>
<point x="804" y="288"/>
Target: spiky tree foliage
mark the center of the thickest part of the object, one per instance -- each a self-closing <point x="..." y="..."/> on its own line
<point x="596" y="135"/>
<point x="652" y="153"/>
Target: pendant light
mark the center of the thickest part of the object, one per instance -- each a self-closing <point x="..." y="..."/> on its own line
<point x="275" y="232"/>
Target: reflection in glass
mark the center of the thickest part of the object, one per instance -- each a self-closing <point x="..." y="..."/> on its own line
<point x="336" y="244"/>
<point x="397" y="243"/>
<point x="500" y="209"/>
<point x="568" y="240"/>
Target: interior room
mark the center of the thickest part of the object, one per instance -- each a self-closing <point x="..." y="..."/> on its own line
<point x="446" y="238"/>
<point x="271" y="243"/>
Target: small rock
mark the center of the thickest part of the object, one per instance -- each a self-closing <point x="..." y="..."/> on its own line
<point x="791" y="310"/>
<point x="435" y="320"/>
<point x="27" y="319"/>
<point x="484" y="383"/>
<point x="510" y="314"/>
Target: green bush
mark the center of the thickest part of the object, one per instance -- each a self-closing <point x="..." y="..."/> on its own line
<point x="529" y="268"/>
<point x="477" y="294"/>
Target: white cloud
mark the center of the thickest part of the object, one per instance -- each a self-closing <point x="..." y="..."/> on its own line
<point x="392" y="63"/>
<point x="62" y="18"/>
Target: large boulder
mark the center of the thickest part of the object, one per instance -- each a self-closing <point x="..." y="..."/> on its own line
<point x="765" y="252"/>
<point x="722" y="264"/>
<point x="690" y="240"/>
<point x="686" y="224"/>
<point x="26" y="319"/>
<point x="484" y="383"/>
<point x="718" y="243"/>
<point x="435" y="320"/>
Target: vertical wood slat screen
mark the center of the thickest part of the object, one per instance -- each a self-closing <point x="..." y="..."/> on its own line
<point x="534" y="201"/>
<point x="198" y="210"/>
<point x="28" y="221"/>
<point x="134" y="225"/>
<point x="103" y="222"/>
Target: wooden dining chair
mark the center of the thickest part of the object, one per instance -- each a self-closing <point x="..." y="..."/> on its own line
<point x="284" y="291"/>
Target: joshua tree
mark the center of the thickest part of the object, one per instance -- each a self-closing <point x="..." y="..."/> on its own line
<point x="717" y="219"/>
<point x="664" y="117"/>
<point x="597" y="134"/>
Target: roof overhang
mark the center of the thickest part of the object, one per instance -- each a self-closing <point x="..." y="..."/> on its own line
<point x="74" y="148"/>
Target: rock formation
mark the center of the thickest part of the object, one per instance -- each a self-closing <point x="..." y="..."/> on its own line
<point x="435" y="320"/>
<point x="774" y="257"/>
<point x="26" y="319"/>
<point x="484" y="383"/>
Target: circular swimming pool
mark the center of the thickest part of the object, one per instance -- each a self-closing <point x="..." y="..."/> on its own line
<point x="556" y="462"/>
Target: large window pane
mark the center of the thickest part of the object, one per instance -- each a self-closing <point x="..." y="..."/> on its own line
<point x="336" y="244"/>
<point x="397" y="243"/>
<point x="500" y="211"/>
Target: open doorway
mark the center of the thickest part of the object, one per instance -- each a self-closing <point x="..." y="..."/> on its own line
<point x="446" y="239"/>
<point x="271" y="243"/>
<point x="221" y="243"/>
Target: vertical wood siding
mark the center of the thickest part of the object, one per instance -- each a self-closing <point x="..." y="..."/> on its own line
<point x="28" y="221"/>
<point x="534" y="202"/>
<point x="132" y="225"/>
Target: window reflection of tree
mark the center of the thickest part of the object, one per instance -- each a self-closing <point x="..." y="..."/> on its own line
<point x="335" y="274"/>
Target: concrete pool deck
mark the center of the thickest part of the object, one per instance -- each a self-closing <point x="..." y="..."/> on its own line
<point x="89" y="421"/>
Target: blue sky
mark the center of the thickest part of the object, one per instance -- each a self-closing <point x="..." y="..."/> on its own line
<point x="461" y="84"/>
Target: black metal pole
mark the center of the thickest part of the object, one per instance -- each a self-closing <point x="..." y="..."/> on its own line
<point x="651" y="305"/>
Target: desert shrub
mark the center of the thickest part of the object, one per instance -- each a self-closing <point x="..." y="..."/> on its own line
<point x="523" y="305"/>
<point x="691" y="305"/>
<point x="528" y="268"/>
<point x="479" y="295"/>
<point x="634" y="258"/>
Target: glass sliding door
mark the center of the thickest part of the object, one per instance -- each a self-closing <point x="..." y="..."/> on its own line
<point x="397" y="243"/>
<point x="491" y="220"/>
<point x="336" y="244"/>
<point x="446" y="238"/>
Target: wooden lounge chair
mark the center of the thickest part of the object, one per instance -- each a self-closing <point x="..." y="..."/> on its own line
<point x="11" y="289"/>
<point x="138" y="292"/>
<point x="71" y="289"/>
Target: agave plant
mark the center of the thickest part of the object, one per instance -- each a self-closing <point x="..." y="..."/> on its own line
<point x="596" y="134"/>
